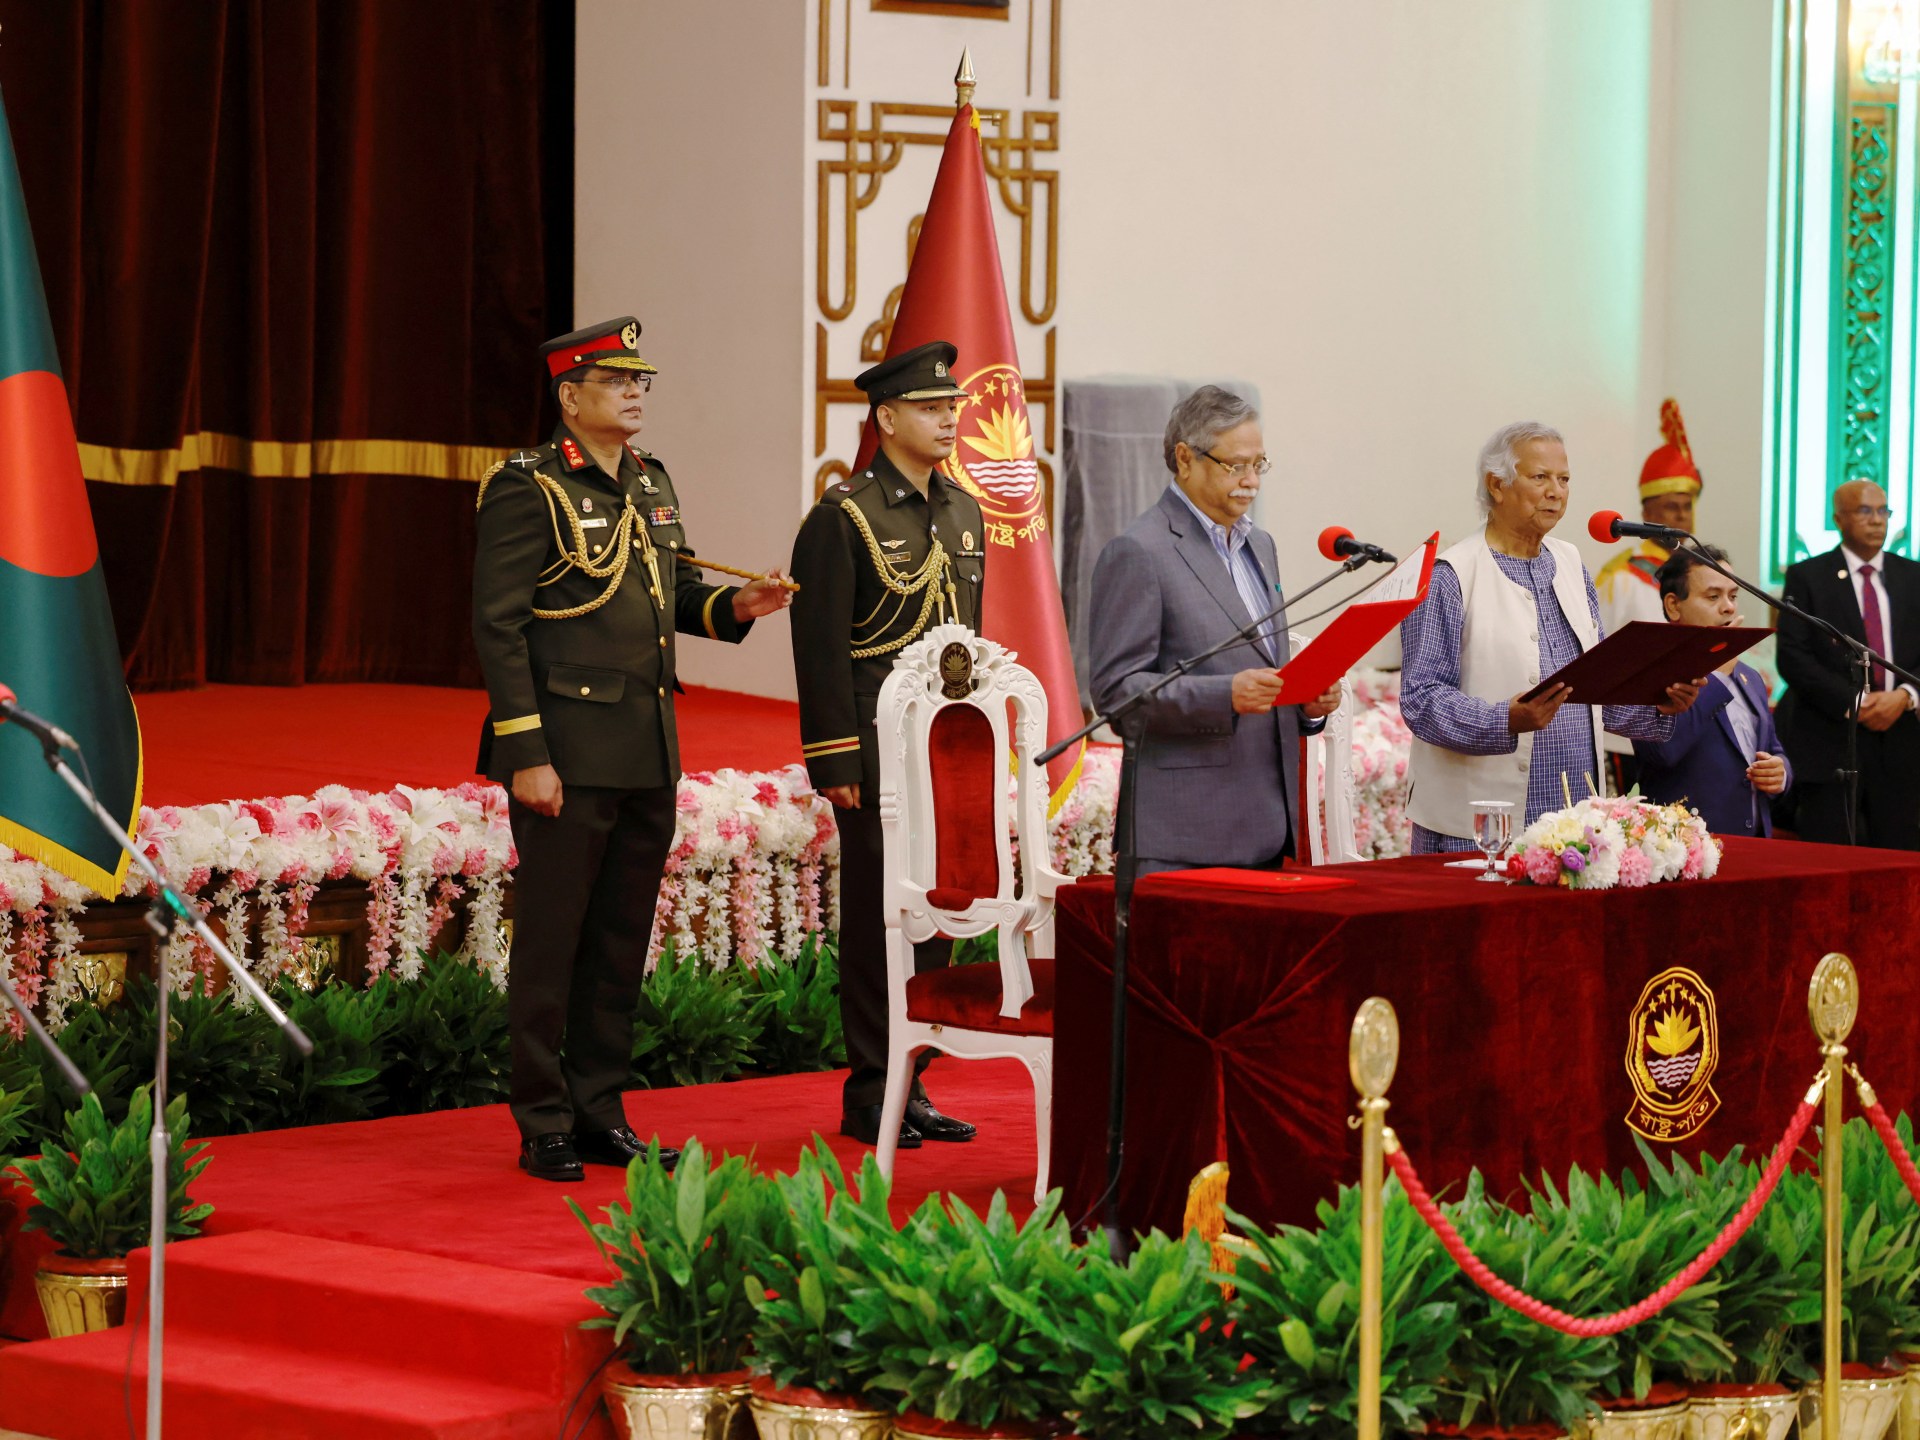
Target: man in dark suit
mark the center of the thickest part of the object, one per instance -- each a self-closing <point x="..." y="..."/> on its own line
<point x="1723" y="758"/>
<point x="888" y="551"/>
<point x="1875" y="597"/>
<point x="1216" y="783"/>
<point x="578" y="587"/>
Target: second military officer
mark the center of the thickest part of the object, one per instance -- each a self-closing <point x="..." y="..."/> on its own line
<point x="886" y="553"/>
<point x="578" y="587"/>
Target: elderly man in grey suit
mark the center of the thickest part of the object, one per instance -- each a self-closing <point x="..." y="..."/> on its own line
<point x="1216" y="781"/>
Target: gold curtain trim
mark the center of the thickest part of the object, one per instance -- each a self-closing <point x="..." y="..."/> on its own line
<point x="285" y="459"/>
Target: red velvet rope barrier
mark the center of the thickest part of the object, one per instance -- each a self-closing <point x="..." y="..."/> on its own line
<point x="1890" y="1137"/>
<point x="1620" y="1320"/>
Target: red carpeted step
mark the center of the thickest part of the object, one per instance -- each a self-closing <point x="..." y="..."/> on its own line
<point x="255" y="1389"/>
<point x="366" y="1302"/>
<point x="272" y="1334"/>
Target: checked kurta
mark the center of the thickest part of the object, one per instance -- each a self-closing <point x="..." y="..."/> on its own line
<point x="57" y="645"/>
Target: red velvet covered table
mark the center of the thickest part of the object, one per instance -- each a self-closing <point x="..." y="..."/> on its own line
<point x="1514" y="1007"/>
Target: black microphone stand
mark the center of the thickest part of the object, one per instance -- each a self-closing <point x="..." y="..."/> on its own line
<point x="170" y="909"/>
<point x="1128" y="720"/>
<point x="1862" y="657"/>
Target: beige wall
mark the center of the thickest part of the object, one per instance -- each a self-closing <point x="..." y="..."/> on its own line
<point x="1410" y="223"/>
<point x="1406" y="222"/>
<point x="688" y="181"/>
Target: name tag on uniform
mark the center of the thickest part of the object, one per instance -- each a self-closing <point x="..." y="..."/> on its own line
<point x="903" y="561"/>
<point x="596" y="522"/>
<point x="664" y="515"/>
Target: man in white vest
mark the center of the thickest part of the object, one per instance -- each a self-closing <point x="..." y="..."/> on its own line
<point x="1505" y="609"/>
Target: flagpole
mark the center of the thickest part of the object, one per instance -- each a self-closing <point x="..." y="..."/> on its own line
<point x="169" y="910"/>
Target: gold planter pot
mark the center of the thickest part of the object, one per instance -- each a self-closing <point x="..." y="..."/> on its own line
<point x="1653" y="1422"/>
<point x="78" y="1296"/>
<point x="784" y="1415"/>
<point x="1769" y="1417"/>
<point x="1868" y="1407"/>
<point x="676" y="1407"/>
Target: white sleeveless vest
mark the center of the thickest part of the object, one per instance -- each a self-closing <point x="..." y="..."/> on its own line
<point x="1499" y="658"/>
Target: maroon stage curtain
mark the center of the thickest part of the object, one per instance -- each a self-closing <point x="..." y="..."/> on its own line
<point x="293" y="221"/>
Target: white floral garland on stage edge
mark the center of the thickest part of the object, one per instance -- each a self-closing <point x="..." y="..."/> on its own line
<point x="754" y="868"/>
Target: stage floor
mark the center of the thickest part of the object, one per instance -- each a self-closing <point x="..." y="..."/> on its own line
<point x="241" y="742"/>
<point x="446" y="1184"/>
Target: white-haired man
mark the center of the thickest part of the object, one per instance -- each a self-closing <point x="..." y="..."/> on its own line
<point x="1505" y="608"/>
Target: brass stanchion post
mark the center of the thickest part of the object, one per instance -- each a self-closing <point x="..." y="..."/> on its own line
<point x="1833" y="1002"/>
<point x="1372" y="1053"/>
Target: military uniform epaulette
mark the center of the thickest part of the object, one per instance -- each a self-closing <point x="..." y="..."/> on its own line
<point x="526" y="461"/>
<point x="843" y="489"/>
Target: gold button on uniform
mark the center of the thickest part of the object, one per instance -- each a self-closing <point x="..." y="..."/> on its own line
<point x="663" y="692"/>
<point x="663" y="642"/>
<point x="586" y="689"/>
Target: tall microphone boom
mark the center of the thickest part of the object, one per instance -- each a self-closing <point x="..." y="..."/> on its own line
<point x="1606" y="526"/>
<point x="1337" y="543"/>
<point x="46" y="731"/>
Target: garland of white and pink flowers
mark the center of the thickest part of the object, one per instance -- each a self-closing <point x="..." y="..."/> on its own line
<point x="753" y="871"/>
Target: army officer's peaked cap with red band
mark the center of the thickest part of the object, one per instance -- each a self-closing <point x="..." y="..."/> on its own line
<point x="611" y="343"/>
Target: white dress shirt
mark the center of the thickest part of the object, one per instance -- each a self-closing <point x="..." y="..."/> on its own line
<point x="1860" y="583"/>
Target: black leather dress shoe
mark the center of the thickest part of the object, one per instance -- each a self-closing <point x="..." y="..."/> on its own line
<point x="617" y="1146"/>
<point x="935" y="1126"/>
<point x="862" y="1123"/>
<point x="551" y="1157"/>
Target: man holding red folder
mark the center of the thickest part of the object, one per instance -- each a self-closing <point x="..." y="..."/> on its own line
<point x="1216" y="782"/>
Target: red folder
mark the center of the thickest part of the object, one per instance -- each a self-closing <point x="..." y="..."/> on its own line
<point x="1358" y="628"/>
<point x="1636" y="664"/>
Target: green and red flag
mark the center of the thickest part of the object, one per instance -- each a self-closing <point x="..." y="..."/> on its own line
<point x="955" y="291"/>
<point x="57" y="646"/>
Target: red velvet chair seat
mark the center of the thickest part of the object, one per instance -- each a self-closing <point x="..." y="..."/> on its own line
<point x="967" y="997"/>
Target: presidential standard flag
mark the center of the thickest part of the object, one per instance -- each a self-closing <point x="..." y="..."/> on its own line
<point x="955" y="292"/>
<point x="57" y="645"/>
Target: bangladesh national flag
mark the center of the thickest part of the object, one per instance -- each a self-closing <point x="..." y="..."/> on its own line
<point x="57" y="645"/>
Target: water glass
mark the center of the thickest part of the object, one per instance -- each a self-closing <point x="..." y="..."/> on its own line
<point x="1492" y="832"/>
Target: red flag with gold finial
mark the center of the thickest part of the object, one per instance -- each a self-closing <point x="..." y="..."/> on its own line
<point x="955" y="292"/>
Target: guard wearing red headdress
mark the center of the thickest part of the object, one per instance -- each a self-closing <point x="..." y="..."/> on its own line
<point x="1669" y="485"/>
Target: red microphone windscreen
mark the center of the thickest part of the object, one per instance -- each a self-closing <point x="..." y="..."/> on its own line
<point x="6" y="694"/>
<point x="1600" y="527"/>
<point x="1328" y="538"/>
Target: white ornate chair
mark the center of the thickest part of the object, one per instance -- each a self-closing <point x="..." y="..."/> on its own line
<point x="1329" y="779"/>
<point x="954" y="709"/>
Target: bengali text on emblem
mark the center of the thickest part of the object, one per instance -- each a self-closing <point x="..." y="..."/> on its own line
<point x="1673" y="1047"/>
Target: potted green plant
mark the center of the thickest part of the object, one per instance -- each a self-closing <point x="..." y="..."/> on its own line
<point x="680" y="1247"/>
<point x="942" y="1314"/>
<point x="1769" y="1292"/>
<point x="1296" y="1310"/>
<point x="1880" y="1286"/>
<point x="1507" y="1375"/>
<point x="92" y="1199"/>
<point x="811" y="1369"/>
<point x="1146" y="1344"/>
<point x="1637" y="1237"/>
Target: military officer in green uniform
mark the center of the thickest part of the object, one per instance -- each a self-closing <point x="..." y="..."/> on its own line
<point x="886" y="553"/>
<point x="580" y="580"/>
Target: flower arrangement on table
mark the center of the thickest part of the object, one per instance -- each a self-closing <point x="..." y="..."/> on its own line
<point x="1602" y="842"/>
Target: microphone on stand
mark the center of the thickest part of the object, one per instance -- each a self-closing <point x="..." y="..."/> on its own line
<point x="1337" y="543"/>
<point x="48" y="733"/>
<point x="1606" y="526"/>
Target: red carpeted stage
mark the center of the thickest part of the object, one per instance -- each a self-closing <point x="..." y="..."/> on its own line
<point x="240" y="742"/>
<point x="401" y="1278"/>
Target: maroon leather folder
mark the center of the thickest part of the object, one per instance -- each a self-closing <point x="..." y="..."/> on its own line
<point x="1636" y="664"/>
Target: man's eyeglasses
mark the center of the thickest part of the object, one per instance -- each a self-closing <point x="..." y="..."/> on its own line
<point x="1240" y="469"/>
<point x="619" y="383"/>
<point x="1871" y="512"/>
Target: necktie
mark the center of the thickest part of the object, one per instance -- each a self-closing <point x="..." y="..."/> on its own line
<point x="1876" y="627"/>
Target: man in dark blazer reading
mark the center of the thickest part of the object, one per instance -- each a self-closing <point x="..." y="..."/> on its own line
<point x="1217" y="770"/>
<point x="1874" y="597"/>
<point x="1723" y="758"/>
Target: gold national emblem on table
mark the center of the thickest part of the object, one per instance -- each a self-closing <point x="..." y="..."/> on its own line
<point x="1673" y="1047"/>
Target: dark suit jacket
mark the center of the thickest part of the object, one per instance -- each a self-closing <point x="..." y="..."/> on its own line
<point x="1821" y="681"/>
<point x="1702" y="763"/>
<point x="1214" y="787"/>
